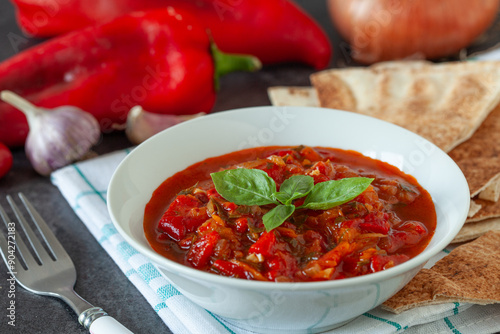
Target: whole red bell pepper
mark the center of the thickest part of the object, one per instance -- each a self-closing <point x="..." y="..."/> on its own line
<point x="162" y="60"/>
<point x="275" y="31"/>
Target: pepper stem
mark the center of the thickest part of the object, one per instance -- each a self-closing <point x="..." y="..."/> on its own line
<point x="29" y="109"/>
<point x="225" y="63"/>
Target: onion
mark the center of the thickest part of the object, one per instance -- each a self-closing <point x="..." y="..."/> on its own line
<point x="380" y="30"/>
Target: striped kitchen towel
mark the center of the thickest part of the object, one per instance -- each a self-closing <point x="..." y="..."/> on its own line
<point x="85" y="184"/>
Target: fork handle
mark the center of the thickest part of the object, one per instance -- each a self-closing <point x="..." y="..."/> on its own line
<point x="99" y="322"/>
<point x="107" y="325"/>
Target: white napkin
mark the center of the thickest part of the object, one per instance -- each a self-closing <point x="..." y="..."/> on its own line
<point x="85" y="184"/>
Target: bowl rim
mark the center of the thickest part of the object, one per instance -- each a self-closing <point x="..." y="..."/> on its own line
<point x="166" y="264"/>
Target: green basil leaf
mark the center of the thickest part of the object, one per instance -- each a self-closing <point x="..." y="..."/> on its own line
<point x="277" y="216"/>
<point x="294" y="187"/>
<point x="326" y="195"/>
<point x="245" y="186"/>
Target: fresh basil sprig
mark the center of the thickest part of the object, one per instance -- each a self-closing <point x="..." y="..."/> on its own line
<point x="294" y="187"/>
<point x="245" y="186"/>
<point x="329" y="194"/>
<point x="254" y="187"/>
<point x="277" y="216"/>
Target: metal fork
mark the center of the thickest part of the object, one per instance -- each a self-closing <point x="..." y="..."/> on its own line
<point x="51" y="271"/>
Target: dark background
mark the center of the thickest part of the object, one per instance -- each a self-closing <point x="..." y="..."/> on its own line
<point x="99" y="280"/>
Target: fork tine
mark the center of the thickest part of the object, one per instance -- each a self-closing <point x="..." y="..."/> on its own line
<point x="4" y="248"/>
<point x="51" y="241"/>
<point x="19" y="250"/>
<point x="39" y="250"/>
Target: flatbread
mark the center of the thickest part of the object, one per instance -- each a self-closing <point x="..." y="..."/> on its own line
<point x="491" y="191"/>
<point x="479" y="172"/>
<point x="479" y="157"/>
<point x="470" y="273"/>
<point x="444" y="103"/>
<point x="471" y="231"/>
<point x="488" y="210"/>
<point x="473" y="208"/>
<point x="293" y="96"/>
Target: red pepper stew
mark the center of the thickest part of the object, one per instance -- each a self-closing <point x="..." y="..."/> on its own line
<point x="392" y="221"/>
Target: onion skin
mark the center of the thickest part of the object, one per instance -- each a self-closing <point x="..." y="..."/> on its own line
<point x="396" y="29"/>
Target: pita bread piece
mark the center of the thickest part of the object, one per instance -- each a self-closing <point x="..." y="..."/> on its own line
<point x="293" y="96"/>
<point x="479" y="157"/>
<point x="492" y="190"/>
<point x="488" y="210"/>
<point x="444" y="103"/>
<point x="479" y="172"/>
<point x="471" y="231"/>
<point x="468" y="274"/>
<point x="473" y="208"/>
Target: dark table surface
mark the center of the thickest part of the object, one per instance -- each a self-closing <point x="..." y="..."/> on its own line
<point x="100" y="281"/>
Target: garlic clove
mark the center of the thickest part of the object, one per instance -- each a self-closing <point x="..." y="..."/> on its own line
<point x="57" y="136"/>
<point x="61" y="137"/>
<point x="142" y="124"/>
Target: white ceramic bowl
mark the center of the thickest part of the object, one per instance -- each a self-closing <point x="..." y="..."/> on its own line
<point x="286" y="307"/>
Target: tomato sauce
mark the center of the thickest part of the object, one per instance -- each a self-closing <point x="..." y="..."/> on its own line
<point x="393" y="220"/>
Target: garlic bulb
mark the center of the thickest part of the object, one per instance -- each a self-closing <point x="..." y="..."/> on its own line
<point x="142" y="124"/>
<point x="57" y="136"/>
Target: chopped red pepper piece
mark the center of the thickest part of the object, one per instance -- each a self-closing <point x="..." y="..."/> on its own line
<point x="177" y="220"/>
<point x="376" y="223"/>
<point x="231" y="269"/>
<point x="406" y="235"/>
<point x="282" y="264"/>
<point x="334" y="256"/>
<point x="275" y="172"/>
<point x="310" y="154"/>
<point x="381" y="262"/>
<point x="200" y="252"/>
<point x="265" y="245"/>
<point x="213" y="193"/>
<point x="229" y="206"/>
<point x="241" y="224"/>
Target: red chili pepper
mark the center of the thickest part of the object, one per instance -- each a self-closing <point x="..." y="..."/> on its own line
<point x="160" y="59"/>
<point x="272" y="30"/>
<point x="5" y="160"/>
